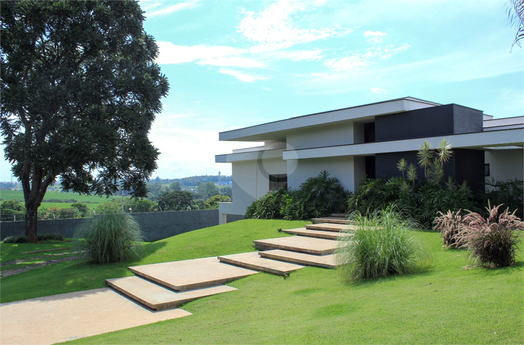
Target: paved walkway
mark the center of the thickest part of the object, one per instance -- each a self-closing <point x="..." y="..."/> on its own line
<point x="59" y="318"/>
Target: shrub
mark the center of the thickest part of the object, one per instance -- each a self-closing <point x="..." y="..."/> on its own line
<point x="450" y="225"/>
<point x="41" y="238"/>
<point x="15" y="239"/>
<point x="510" y="193"/>
<point x="268" y="206"/>
<point x="213" y="201"/>
<point x="492" y="240"/>
<point x="317" y="197"/>
<point x="111" y="237"/>
<point x="373" y="195"/>
<point x="382" y="245"/>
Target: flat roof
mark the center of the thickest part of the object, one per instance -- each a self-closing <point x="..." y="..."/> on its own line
<point x="276" y="130"/>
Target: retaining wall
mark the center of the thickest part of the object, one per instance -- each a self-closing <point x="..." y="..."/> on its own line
<point x="155" y="225"/>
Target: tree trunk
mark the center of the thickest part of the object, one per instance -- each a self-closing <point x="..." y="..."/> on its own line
<point x="31" y="219"/>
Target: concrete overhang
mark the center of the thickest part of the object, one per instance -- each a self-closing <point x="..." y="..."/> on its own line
<point x="249" y="156"/>
<point x="479" y="141"/>
<point x="277" y="130"/>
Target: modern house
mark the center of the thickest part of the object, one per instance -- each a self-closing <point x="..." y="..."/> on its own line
<point x="369" y="140"/>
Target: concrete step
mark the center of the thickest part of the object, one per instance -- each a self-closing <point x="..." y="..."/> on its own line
<point x="158" y="297"/>
<point x="255" y="262"/>
<point x="334" y="220"/>
<point x="310" y="245"/>
<point x="324" y="261"/>
<point x="330" y="227"/>
<point x="328" y="235"/>
<point x="191" y="274"/>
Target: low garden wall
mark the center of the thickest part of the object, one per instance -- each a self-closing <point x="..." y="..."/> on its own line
<point x="155" y="225"/>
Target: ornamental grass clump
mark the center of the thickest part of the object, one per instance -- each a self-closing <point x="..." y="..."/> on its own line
<point x="111" y="237"/>
<point x="492" y="241"/>
<point x="382" y="245"/>
<point x="450" y="225"/>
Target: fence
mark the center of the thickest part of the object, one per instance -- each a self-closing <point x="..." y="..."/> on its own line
<point x="155" y="225"/>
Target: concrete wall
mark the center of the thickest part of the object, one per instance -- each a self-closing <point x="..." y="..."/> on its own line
<point x="155" y="225"/>
<point x="339" y="167"/>
<point x="320" y="136"/>
<point x="505" y="164"/>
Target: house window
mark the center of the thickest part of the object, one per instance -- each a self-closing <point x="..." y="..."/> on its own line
<point x="486" y="170"/>
<point x="277" y="181"/>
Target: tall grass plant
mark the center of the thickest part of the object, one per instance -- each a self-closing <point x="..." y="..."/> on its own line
<point x="381" y="246"/>
<point x="112" y="237"/>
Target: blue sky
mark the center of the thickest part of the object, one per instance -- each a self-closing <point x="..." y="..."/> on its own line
<point x="234" y="63"/>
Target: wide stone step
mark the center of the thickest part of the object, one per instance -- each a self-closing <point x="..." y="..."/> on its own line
<point x="329" y="235"/>
<point x="255" y="262"/>
<point x="334" y="220"/>
<point x="325" y="261"/>
<point x="310" y="245"/>
<point x="191" y="274"/>
<point x="330" y="227"/>
<point x="158" y="297"/>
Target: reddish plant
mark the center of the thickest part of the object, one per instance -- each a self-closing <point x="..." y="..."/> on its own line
<point x="450" y="225"/>
<point x="492" y="240"/>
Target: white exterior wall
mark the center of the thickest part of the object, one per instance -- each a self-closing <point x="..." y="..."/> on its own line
<point x="340" y="167"/>
<point x="250" y="182"/>
<point x="505" y="164"/>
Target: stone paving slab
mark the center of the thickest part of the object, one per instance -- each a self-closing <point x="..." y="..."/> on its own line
<point x="74" y="315"/>
<point x="191" y="274"/>
<point x="328" y="235"/>
<point x="324" y="261"/>
<point x="158" y="297"/>
<point x="331" y="227"/>
<point x="336" y="220"/>
<point x="255" y="262"/>
<point x="310" y="245"/>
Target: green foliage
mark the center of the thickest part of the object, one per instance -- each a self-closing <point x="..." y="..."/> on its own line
<point x="421" y="200"/>
<point x="212" y="202"/>
<point x="45" y="238"/>
<point x="510" y="193"/>
<point x="11" y="210"/>
<point x="175" y="201"/>
<point x="82" y="208"/>
<point x="80" y="90"/>
<point x="269" y="206"/>
<point x="373" y="195"/>
<point x="317" y="197"/>
<point x="382" y="245"/>
<point x="206" y="190"/>
<point x="491" y="240"/>
<point x="140" y="205"/>
<point x="111" y="237"/>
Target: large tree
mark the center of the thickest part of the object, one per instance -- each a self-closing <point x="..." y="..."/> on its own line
<point x="80" y="90"/>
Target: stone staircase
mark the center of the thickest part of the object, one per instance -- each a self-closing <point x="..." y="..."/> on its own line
<point x="168" y="285"/>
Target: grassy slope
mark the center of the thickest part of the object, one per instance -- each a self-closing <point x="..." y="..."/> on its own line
<point x="73" y="276"/>
<point x="444" y="305"/>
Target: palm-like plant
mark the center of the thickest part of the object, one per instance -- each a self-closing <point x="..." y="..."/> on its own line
<point x="516" y="15"/>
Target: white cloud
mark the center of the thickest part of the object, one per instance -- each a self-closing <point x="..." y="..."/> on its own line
<point x="377" y="90"/>
<point x="204" y="55"/>
<point x="346" y="63"/>
<point x="235" y="61"/>
<point x="375" y="37"/>
<point x="298" y="55"/>
<point x="242" y="76"/>
<point x="170" y="9"/>
<point x="275" y="27"/>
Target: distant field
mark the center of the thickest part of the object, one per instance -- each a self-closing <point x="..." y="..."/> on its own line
<point x="91" y="200"/>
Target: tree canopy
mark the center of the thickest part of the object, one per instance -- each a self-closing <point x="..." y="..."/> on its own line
<point x="80" y="90"/>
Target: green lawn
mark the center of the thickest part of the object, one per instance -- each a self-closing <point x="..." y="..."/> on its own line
<point x="447" y="304"/>
<point x="91" y="200"/>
